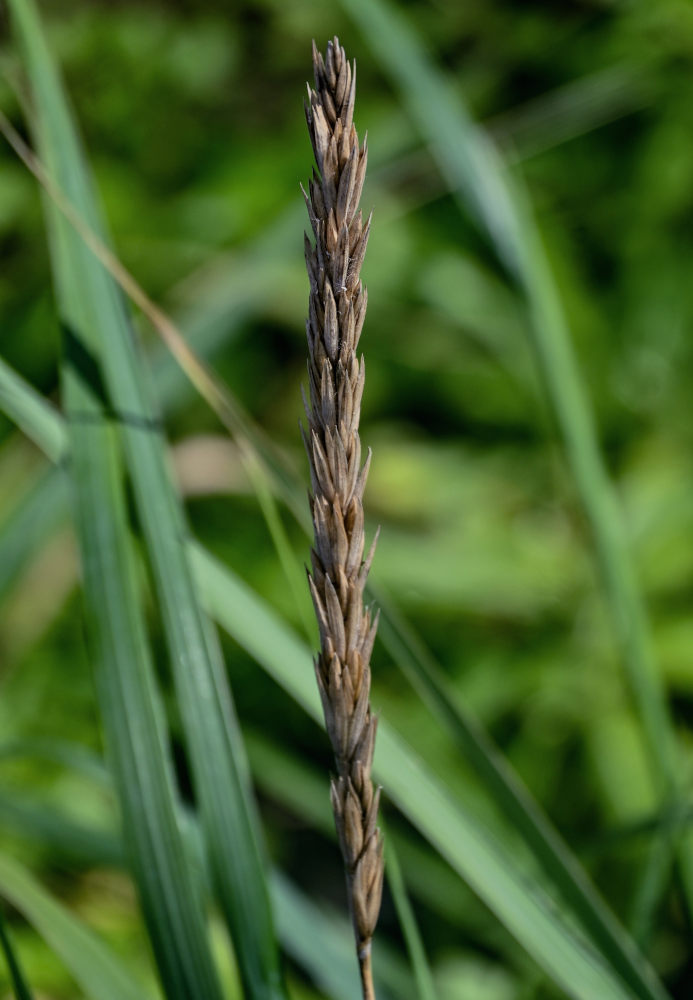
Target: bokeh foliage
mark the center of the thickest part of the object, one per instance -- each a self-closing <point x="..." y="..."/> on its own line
<point x="193" y="122"/>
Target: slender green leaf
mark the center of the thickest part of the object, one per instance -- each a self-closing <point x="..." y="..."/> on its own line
<point x="31" y="412"/>
<point x="291" y="567"/>
<point x="99" y="973"/>
<point x="613" y="839"/>
<point x="217" y="755"/>
<point x="40" y="512"/>
<point x="19" y="983"/>
<point x="38" y="418"/>
<point x="410" y="929"/>
<point x="650" y="889"/>
<point x="547" y="846"/>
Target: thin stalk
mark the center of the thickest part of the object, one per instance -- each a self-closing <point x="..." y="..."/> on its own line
<point x="423" y="977"/>
<point x="19" y="983"/>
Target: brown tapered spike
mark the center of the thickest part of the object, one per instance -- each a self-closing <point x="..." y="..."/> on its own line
<point x="336" y="312"/>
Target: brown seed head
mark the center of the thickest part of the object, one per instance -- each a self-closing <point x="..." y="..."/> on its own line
<point x="336" y="311"/>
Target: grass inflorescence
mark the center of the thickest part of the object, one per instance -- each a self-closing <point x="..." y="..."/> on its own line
<point x="337" y="309"/>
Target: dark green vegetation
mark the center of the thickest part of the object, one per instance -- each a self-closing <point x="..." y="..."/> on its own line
<point x="520" y="363"/>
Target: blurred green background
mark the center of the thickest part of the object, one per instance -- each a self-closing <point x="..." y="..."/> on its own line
<point x="192" y="117"/>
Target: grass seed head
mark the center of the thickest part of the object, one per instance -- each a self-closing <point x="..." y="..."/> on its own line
<point x="336" y="311"/>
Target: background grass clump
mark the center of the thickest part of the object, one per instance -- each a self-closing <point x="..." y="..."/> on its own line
<point x="192" y="121"/>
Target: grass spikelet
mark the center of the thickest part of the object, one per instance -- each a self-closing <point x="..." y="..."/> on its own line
<point x="336" y="312"/>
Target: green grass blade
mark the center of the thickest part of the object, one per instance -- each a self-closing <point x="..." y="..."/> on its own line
<point x="650" y="890"/>
<point x="407" y="920"/>
<point x="293" y="570"/>
<point x="37" y="418"/>
<point x="97" y="971"/>
<point x="19" y="983"/>
<point x="656" y="872"/>
<point x="213" y="738"/>
<point x="35" y="518"/>
<point x="31" y="412"/>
